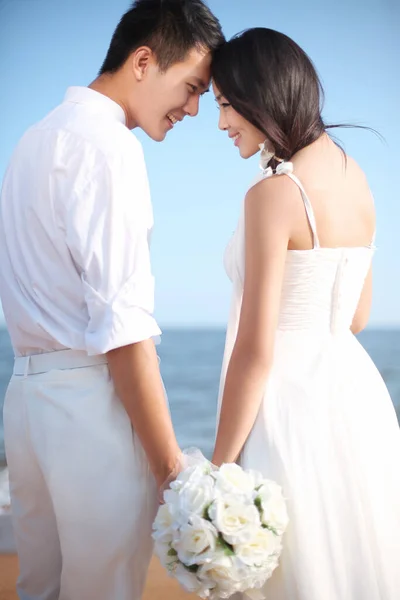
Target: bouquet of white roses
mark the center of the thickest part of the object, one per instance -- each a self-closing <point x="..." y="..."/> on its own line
<point x="220" y="530"/>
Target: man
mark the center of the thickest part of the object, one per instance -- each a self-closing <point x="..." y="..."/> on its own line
<point x="87" y="429"/>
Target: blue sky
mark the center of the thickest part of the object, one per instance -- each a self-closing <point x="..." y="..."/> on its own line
<point x="197" y="177"/>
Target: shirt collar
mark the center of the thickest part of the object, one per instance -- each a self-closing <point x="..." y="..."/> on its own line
<point x="85" y="95"/>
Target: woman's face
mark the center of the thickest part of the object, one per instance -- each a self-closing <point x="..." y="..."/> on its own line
<point x="243" y="134"/>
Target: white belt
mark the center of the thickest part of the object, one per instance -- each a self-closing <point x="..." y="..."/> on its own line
<point x="60" y="359"/>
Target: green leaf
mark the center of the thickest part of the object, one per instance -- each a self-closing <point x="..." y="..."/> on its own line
<point x="206" y="516"/>
<point x="172" y="552"/>
<point x="192" y="568"/>
<point x="227" y="548"/>
<point x="271" y="529"/>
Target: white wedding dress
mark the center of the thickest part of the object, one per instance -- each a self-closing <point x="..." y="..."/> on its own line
<point x="326" y="430"/>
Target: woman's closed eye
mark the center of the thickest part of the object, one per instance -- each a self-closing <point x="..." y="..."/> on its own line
<point x="223" y="105"/>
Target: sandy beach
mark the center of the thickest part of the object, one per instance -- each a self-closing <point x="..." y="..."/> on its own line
<point x="159" y="585"/>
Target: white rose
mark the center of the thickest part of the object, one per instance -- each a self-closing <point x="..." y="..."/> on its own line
<point x="235" y="518"/>
<point x="253" y="584"/>
<point x="224" y="572"/>
<point x="273" y="506"/>
<point x="190" y="475"/>
<point x="190" y="582"/>
<point x="256" y="477"/>
<point x="193" y="539"/>
<point x="259" y="549"/>
<point x="171" y="498"/>
<point x="194" y="498"/>
<point x="164" y="524"/>
<point x="231" y="478"/>
<point x="167" y="555"/>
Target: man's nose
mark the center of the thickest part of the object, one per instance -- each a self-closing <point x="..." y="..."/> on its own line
<point x="192" y="106"/>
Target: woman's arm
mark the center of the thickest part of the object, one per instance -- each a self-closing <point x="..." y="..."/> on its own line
<point x="267" y="233"/>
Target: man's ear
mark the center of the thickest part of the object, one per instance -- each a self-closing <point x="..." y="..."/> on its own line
<point x="140" y="61"/>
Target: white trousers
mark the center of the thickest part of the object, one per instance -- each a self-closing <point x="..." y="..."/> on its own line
<point x="83" y="498"/>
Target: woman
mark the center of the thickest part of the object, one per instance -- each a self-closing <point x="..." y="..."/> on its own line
<point x="301" y="401"/>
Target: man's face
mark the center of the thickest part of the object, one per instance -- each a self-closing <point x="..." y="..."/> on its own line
<point x="162" y="99"/>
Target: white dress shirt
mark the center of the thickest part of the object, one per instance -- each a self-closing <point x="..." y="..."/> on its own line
<point x="75" y="222"/>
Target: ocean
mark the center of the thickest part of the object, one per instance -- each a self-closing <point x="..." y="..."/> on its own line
<point x="190" y="366"/>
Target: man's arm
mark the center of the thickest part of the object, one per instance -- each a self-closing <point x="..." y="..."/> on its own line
<point x="107" y="222"/>
<point x="138" y="383"/>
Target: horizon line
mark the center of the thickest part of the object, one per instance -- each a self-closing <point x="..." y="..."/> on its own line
<point x="222" y="326"/>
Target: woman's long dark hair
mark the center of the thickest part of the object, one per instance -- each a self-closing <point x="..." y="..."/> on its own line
<point x="273" y="84"/>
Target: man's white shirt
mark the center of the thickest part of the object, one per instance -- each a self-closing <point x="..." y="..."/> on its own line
<point x="76" y="217"/>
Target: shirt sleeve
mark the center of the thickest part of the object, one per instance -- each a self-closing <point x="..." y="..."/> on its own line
<point x="108" y="226"/>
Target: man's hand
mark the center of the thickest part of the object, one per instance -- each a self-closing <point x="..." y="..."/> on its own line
<point x="178" y="468"/>
<point x="191" y="457"/>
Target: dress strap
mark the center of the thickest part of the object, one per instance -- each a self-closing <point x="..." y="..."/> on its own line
<point x="286" y="168"/>
<point x="308" y="207"/>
